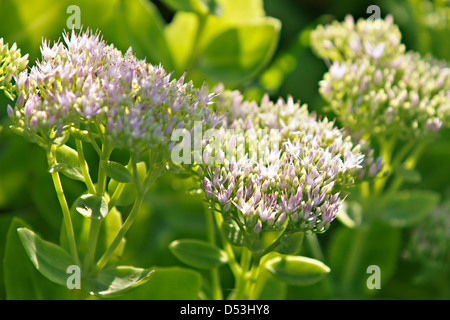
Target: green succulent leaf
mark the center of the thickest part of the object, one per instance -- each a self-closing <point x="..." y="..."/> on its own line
<point x="50" y="259"/>
<point x="67" y="163"/>
<point x="290" y="243"/>
<point x="198" y="254"/>
<point x="297" y="270"/>
<point x="408" y="207"/>
<point x="92" y="206"/>
<point x="116" y="171"/>
<point x="116" y="280"/>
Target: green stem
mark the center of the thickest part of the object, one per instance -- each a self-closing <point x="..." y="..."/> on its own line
<point x="359" y="241"/>
<point x="122" y="232"/>
<point x="241" y="280"/>
<point x="51" y="157"/>
<point x="94" y="231"/>
<point x="84" y="168"/>
<point x="232" y="262"/>
<point x="253" y="278"/>
<point x="215" y="276"/>
<point x="409" y="163"/>
<point x="95" y="225"/>
<point x="101" y="181"/>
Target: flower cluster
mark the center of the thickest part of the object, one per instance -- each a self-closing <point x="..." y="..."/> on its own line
<point x="11" y="63"/>
<point x="375" y="86"/>
<point x="275" y="166"/>
<point x="84" y="83"/>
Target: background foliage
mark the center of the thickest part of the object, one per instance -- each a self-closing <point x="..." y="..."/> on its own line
<point x="256" y="47"/>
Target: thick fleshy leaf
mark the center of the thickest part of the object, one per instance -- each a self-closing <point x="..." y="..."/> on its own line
<point x="297" y="270"/>
<point x="129" y="192"/>
<point x="198" y="254"/>
<point x="408" y="175"/>
<point x="238" y="10"/>
<point x="92" y="206"/>
<point x="21" y="279"/>
<point x="408" y="207"/>
<point x="290" y="243"/>
<point x="116" y="171"/>
<point x="233" y="52"/>
<point x="50" y="259"/>
<point x="67" y="163"/>
<point x="180" y="36"/>
<point x="116" y="280"/>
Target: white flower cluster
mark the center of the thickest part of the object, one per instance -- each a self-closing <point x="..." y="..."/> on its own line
<point x="375" y="86"/>
<point x="275" y="166"/>
<point x="85" y="84"/>
<point x="11" y="63"/>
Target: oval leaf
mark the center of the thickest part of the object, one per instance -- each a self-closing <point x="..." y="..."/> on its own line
<point x="409" y="175"/>
<point x="290" y="243"/>
<point x="92" y="206"/>
<point x="116" y="171"/>
<point x="296" y="270"/>
<point x="67" y="163"/>
<point x="50" y="259"/>
<point x="116" y="280"/>
<point x="129" y="193"/>
<point x="406" y="208"/>
<point x="198" y="254"/>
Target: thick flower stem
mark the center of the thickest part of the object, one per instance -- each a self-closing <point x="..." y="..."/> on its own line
<point x="65" y="208"/>
<point x="121" y="234"/>
<point x="84" y="168"/>
<point x="215" y="276"/>
<point x="95" y="225"/>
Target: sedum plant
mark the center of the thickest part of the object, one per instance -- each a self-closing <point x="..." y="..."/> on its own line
<point x="399" y="101"/>
<point x="91" y="93"/>
<point x="273" y="172"/>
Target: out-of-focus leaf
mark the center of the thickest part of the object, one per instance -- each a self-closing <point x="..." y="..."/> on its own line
<point x="408" y="175"/>
<point x="234" y="52"/>
<point x="406" y="208"/>
<point x="378" y="245"/>
<point x="290" y="243"/>
<point x="350" y="214"/>
<point x="122" y="22"/>
<point x="198" y="6"/>
<point x="180" y="36"/>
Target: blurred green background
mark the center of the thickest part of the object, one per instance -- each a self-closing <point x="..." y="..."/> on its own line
<point x="252" y="55"/>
